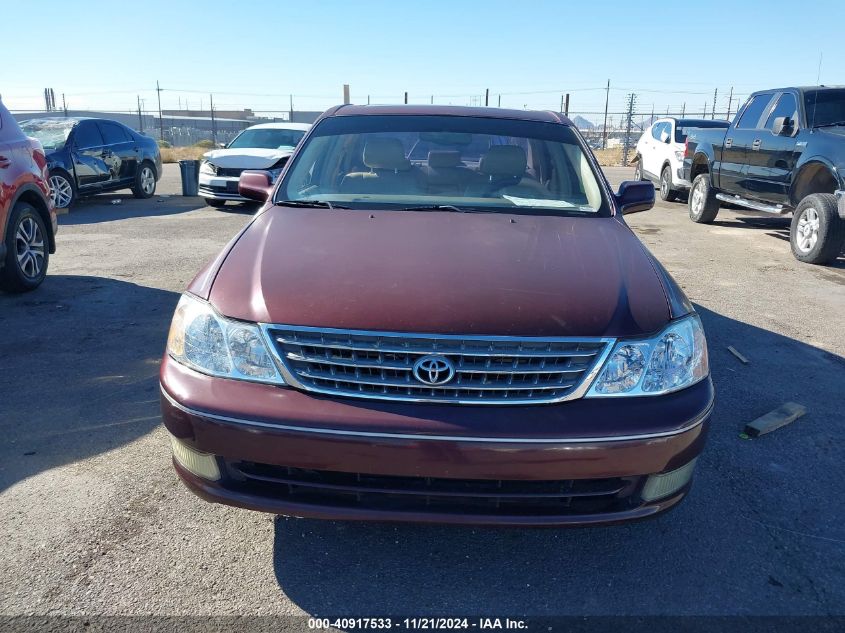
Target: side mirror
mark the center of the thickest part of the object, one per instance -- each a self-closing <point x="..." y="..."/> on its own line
<point x="222" y="145"/>
<point x="255" y="185"/>
<point x="782" y="125"/>
<point x="635" y="196"/>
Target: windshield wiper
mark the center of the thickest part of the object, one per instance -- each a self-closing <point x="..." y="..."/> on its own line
<point x="438" y="207"/>
<point x="314" y="204"/>
<point x="829" y="124"/>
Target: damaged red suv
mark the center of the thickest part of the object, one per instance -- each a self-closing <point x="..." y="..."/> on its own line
<point x="440" y="315"/>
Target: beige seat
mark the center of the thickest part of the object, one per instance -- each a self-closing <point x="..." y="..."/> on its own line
<point x="390" y="171"/>
<point x="445" y="173"/>
<point x="504" y="169"/>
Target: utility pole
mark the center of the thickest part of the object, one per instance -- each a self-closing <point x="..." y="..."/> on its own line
<point x="500" y="100"/>
<point x="730" y="104"/>
<point x="406" y="97"/>
<point x="213" y="121"/>
<point x="566" y="106"/>
<point x="346" y="99"/>
<point x="64" y="104"/>
<point x="432" y="99"/>
<point x="368" y="99"/>
<point x="632" y="100"/>
<point x="683" y="109"/>
<point x="715" y="95"/>
<point x="290" y="116"/>
<point x="160" y="120"/>
<point x="140" y="116"/>
<point x="487" y="97"/>
<point x="604" y="132"/>
<point x="704" y="114"/>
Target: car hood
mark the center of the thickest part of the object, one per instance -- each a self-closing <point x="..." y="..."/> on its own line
<point x="440" y="272"/>
<point x="247" y="157"/>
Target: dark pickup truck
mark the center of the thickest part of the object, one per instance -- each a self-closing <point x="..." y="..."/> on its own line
<point x="784" y="152"/>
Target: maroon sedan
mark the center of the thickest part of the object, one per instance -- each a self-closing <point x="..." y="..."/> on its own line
<point x="439" y="314"/>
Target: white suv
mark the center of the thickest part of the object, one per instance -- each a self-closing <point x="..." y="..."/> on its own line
<point x="660" y="153"/>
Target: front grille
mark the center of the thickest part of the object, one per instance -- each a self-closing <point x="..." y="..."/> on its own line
<point x="431" y="494"/>
<point x="229" y="171"/>
<point x="487" y="370"/>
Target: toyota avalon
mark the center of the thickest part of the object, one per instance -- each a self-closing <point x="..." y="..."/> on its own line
<point x="439" y="314"/>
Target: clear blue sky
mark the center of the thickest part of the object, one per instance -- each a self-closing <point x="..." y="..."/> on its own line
<point x="254" y="53"/>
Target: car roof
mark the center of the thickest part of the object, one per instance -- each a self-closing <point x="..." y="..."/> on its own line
<point x="441" y="110"/>
<point x="303" y="127"/>
<point x="798" y="88"/>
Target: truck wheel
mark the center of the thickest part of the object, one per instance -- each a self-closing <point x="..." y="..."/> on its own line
<point x="817" y="233"/>
<point x="703" y="205"/>
<point x="638" y="170"/>
<point x="666" y="192"/>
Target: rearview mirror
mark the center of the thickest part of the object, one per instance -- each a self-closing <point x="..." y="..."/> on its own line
<point x="255" y="185"/>
<point x="782" y="125"/>
<point x="635" y="196"/>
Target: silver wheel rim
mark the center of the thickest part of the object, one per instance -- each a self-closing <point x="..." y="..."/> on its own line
<point x="148" y="181"/>
<point x="808" y="230"/>
<point x="29" y="248"/>
<point x="664" y="185"/>
<point x="61" y="192"/>
<point x="697" y="200"/>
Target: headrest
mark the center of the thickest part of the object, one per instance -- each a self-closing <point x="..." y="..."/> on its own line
<point x="444" y="158"/>
<point x="385" y="153"/>
<point x="503" y="161"/>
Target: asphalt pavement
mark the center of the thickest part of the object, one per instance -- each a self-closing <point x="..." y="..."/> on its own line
<point x="93" y="519"/>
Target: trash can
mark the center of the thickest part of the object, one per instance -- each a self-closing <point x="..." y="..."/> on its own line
<point x="190" y="170"/>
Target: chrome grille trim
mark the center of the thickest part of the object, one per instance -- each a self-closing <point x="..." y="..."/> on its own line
<point x="488" y="369"/>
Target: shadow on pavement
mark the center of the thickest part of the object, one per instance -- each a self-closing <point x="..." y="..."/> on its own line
<point x="761" y="532"/>
<point x="79" y="362"/>
<point x="100" y="208"/>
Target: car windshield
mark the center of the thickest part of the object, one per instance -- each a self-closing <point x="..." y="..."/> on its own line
<point x="267" y="138"/>
<point x="683" y="125"/>
<point x="448" y="163"/>
<point x="52" y="134"/>
<point x="825" y="107"/>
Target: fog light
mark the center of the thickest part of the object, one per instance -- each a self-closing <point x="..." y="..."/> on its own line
<point x="201" y="464"/>
<point x="663" y="485"/>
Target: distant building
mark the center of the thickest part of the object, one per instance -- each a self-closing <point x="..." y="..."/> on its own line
<point x="244" y="115"/>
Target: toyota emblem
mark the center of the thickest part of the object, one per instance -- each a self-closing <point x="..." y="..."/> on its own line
<point x="434" y="370"/>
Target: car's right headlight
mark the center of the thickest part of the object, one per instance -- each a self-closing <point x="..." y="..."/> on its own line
<point x="208" y="168"/>
<point x="674" y="359"/>
<point x="212" y="344"/>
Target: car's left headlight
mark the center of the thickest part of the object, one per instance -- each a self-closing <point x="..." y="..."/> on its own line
<point x="674" y="359"/>
<point x="211" y="344"/>
<point x="679" y="155"/>
<point x="208" y="168"/>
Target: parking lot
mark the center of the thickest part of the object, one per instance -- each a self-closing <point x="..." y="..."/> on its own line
<point x="95" y="521"/>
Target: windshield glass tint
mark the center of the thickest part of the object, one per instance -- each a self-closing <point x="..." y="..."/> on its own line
<point x="51" y="134"/>
<point x="825" y="107"/>
<point x="267" y="138"/>
<point x="481" y="164"/>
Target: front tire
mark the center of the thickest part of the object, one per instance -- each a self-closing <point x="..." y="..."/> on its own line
<point x="27" y="251"/>
<point x="62" y="189"/>
<point x="145" y="181"/>
<point x="703" y="205"/>
<point x="215" y="203"/>
<point x="817" y="233"/>
<point x="667" y="194"/>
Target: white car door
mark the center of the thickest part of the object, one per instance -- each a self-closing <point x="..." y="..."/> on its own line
<point x="662" y="146"/>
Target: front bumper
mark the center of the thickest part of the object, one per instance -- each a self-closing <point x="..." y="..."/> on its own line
<point x="288" y="452"/>
<point x="220" y="188"/>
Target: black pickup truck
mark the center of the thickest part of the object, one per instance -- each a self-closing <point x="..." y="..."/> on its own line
<point x="784" y="152"/>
